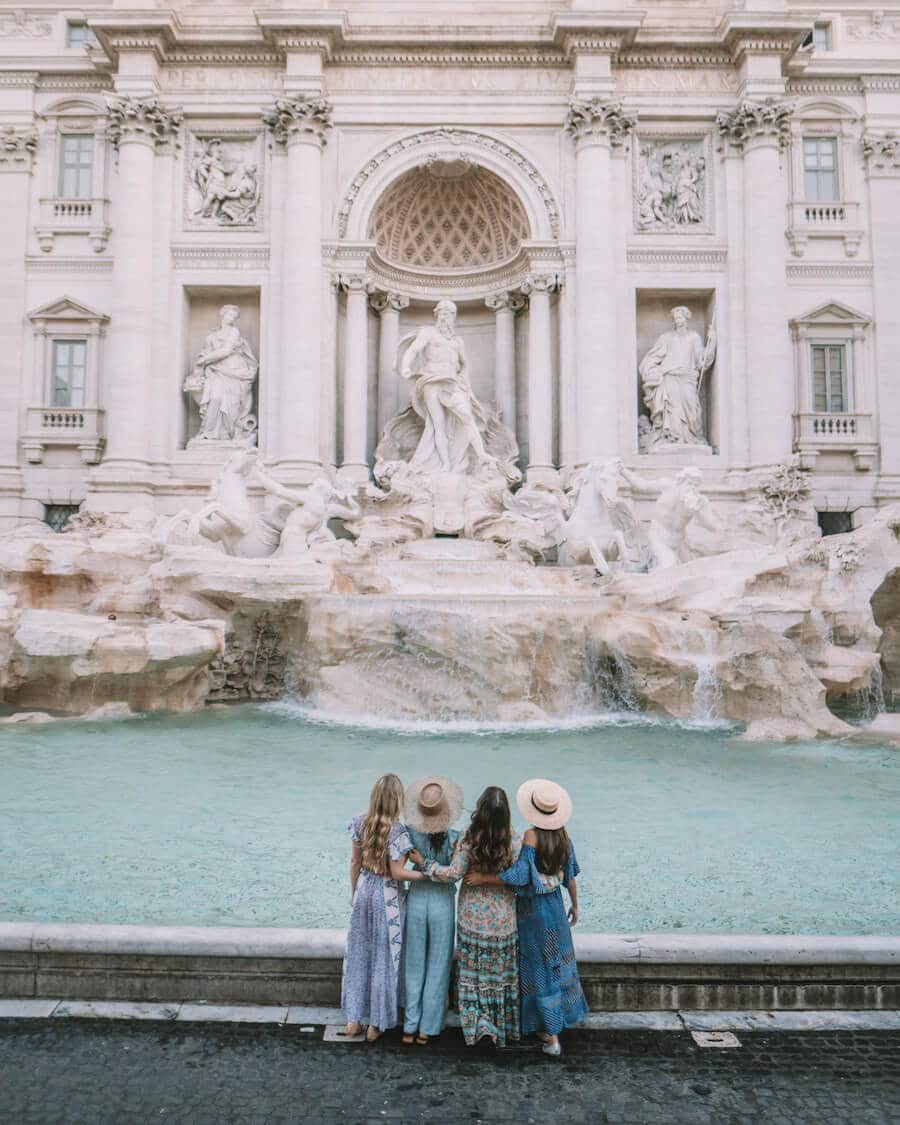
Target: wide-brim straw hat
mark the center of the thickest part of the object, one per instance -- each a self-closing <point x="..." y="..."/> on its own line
<point x="543" y="803"/>
<point x="432" y="804"/>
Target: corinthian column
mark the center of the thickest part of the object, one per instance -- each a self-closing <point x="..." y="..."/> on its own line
<point x="136" y="127"/>
<point x="538" y="288"/>
<point x="505" y="306"/>
<point x="760" y="130"/>
<point x="300" y="124"/>
<point x="882" y="152"/>
<point x="355" y="466"/>
<point x="598" y="127"/>
<point x="388" y="306"/>
<point x="17" y="147"/>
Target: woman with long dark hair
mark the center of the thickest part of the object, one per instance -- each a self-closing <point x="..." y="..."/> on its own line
<point x="487" y="978"/>
<point x="551" y="993"/>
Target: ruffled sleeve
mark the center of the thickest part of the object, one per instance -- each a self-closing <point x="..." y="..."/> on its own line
<point x="355" y="829"/>
<point x="572" y="869"/>
<point x="523" y="875"/>
<point x="455" y="869"/>
<point x="400" y="843"/>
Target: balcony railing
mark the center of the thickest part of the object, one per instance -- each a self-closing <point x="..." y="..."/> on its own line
<point x="73" y="216"/>
<point x="819" y="432"/>
<point x="80" y="426"/>
<point x="828" y="219"/>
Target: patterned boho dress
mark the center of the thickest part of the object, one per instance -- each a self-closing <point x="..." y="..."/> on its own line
<point x="372" y="988"/>
<point x="551" y="992"/>
<point x="487" y="959"/>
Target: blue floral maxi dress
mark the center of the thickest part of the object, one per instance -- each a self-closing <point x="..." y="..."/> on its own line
<point x="486" y="984"/>
<point x="551" y="993"/>
<point x="372" y="987"/>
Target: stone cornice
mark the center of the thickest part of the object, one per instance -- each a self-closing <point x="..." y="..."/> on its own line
<point x="671" y="58"/>
<point x="587" y="33"/>
<point x="299" y="117"/>
<point x="18" y="144"/>
<point x="449" y="56"/>
<point x="141" y="119"/>
<point x="746" y="33"/>
<point x="154" y="32"/>
<point x="751" y="122"/>
<point x="601" y="120"/>
<point x="18" y="79"/>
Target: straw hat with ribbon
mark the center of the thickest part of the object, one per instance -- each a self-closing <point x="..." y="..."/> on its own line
<point x="432" y="804"/>
<point x="544" y="803"/>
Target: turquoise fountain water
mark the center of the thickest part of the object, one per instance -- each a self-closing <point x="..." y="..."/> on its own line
<point x="239" y="817"/>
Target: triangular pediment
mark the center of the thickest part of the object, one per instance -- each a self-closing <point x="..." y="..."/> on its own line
<point x="65" y="308"/>
<point x="832" y="313"/>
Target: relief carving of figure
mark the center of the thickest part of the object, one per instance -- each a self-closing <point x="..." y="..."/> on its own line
<point x="671" y="190"/>
<point x="672" y="375"/>
<point x="227" y="196"/>
<point x="221" y="382"/>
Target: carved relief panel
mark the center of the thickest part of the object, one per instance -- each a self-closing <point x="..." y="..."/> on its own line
<point x="672" y="190"/>
<point x="223" y="180"/>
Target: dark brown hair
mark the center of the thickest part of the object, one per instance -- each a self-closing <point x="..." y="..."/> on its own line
<point x="488" y="838"/>
<point x="551" y="852"/>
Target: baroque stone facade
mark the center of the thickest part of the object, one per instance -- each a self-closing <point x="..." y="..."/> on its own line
<point x="329" y="176"/>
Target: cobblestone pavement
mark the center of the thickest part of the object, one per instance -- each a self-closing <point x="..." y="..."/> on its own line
<point x="104" y="1071"/>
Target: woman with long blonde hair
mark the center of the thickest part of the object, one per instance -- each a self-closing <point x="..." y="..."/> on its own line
<point x="373" y="984"/>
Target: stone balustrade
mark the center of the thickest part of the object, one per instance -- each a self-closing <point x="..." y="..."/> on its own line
<point x="826" y="432"/>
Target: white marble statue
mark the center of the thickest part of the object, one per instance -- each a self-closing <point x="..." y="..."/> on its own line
<point x="231" y="518"/>
<point x="228" y="197"/>
<point x="435" y="363"/>
<point x="680" y="502"/>
<point x="672" y="375"/>
<point x="602" y="529"/>
<point x="221" y="382"/>
<point x="306" y="530"/>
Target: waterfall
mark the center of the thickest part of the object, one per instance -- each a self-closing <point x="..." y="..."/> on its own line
<point x="707" y="699"/>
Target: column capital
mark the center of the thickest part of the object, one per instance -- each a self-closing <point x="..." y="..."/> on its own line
<point x="381" y="301"/>
<point x="356" y="283"/>
<point x="599" y="121"/>
<point x="756" y="123"/>
<point x="506" y="300"/>
<point x="143" y="120"/>
<point x="541" y="283"/>
<point x="299" y="118"/>
<point x="882" y="153"/>
<point x="18" y="144"/>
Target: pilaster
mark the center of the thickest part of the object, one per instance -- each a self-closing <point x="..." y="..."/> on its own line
<point x="538" y="288"/>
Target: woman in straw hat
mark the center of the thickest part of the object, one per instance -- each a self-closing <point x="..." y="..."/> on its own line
<point x="372" y="988"/>
<point x="551" y="993"/>
<point x="487" y="943"/>
<point x="432" y="804"/>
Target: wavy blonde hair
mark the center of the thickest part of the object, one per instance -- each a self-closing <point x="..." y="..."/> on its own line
<point x="385" y="806"/>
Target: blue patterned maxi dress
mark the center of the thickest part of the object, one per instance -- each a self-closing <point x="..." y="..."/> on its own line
<point x="372" y="988"/>
<point x="551" y="994"/>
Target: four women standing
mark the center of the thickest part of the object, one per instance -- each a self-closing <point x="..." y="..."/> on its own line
<point x="516" y="970"/>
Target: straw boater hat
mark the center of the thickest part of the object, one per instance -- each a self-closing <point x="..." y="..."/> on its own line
<point x="544" y="803"/>
<point x="432" y="804"/>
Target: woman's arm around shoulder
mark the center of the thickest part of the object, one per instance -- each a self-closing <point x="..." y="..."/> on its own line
<point x="455" y="869"/>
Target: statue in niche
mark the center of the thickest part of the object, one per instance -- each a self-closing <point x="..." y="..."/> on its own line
<point x="452" y="430"/>
<point x="672" y="375"/>
<point x="671" y="189"/>
<point x="221" y="382"/>
<point x="229" y="197"/>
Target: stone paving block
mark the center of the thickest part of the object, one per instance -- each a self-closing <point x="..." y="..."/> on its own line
<point x="792" y="1021"/>
<point x="26" y="1009"/>
<point x="110" y="1010"/>
<point x="301" y="1013"/>
<point x="233" y="1013"/>
<point x="633" y="1021"/>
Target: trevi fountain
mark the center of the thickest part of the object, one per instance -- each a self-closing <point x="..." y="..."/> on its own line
<point x="384" y="394"/>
